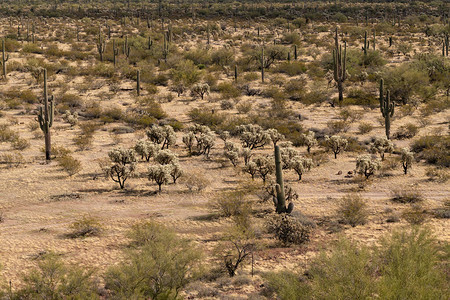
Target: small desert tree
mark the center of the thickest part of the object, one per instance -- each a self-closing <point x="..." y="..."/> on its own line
<point x="123" y="165"/>
<point x="251" y="168"/>
<point x="336" y="143"/>
<point x="246" y="154"/>
<point x="407" y="159"/>
<point x="366" y="165"/>
<point x="301" y="165"/>
<point x="264" y="166"/>
<point x="159" y="174"/>
<point x="382" y="145"/>
<point x="175" y="171"/>
<point x="166" y="157"/>
<point x="232" y="153"/>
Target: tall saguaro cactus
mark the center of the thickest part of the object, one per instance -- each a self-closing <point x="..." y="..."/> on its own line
<point x="5" y="58"/>
<point x="280" y="200"/>
<point x="386" y="107"/>
<point x="262" y="65"/>
<point x="115" y="53"/>
<point x="138" y="82"/>
<point x="366" y="45"/>
<point x="339" y="66"/>
<point x="45" y="117"/>
<point x="101" y="45"/>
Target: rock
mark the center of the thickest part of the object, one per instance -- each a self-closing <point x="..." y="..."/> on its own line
<point x="339" y="173"/>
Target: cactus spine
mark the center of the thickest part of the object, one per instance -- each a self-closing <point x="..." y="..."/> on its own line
<point x="5" y="58"/>
<point x="138" y="82"/>
<point x="45" y="117"/>
<point x="386" y="107"/>
<point x="339" y="66"/>
<point x="280" y="200"/>
<point x="101" y="45"/>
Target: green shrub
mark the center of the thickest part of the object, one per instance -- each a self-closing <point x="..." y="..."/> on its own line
<point x="228" y="90"/>
<point x="206" y="117"/>
<point x="52" y="279"/>
<point x="69" y="164"/>
<point x="157" y="265"/>
<point x="434" y="149"/>
<point x="353" y="210"/>
<point x="294" y="68"/>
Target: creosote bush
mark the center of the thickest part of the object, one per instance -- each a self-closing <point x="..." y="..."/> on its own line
<point x="353" y="210"/>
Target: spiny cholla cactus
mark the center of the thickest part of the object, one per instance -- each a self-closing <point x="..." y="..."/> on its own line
<point x="407" y="159"/>
<point x="224" y="136"/>
<point x="336" y="143"/>
<point x="275" y="136"/>
<point x="164" y="135"/>
<point x="265" y="166"/>
<point x="231" y="152"/>
<point x="166" y="157"/>
<point x="70" y="118"/>
<point x="200" y="90"/>
<point x="246" y="154"/>
<point x="159" y="174"/>
<point x="309" y="140"/>
<point x="367" y="165"/>
<point x="146" y="149"/>
<point x="204" y="137"/>
<point x="123" y="165"/>
<point x="175" y="171"/>
<point x="251" y="168"/>
<point x="381" y="146"/>
<point x="288" y="153"/>
<point x="301" y="165"/>
<point x="253" y="136"/>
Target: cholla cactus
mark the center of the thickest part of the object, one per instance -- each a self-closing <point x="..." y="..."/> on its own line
<point x="246" y="154"/>
<point x="224" y="136"/>
<point x="159" y="174"/>
<point x="70" y="118"/>
<point x="407" y="159"/>
<point x="381" y="146"/>
<point x="301" y="165"/>
<point x="232" y="153"/>
<point x="265" y="166"/>
<point x="189" y="140"/>
<point x="253" y="136"/>
<point x="123" y="165"/>
<point x="146" y="149"/>
<point x="200" y="90"/>
<point x="366" y="165"/>
<point x="309" y="140"/>
<point x="251" y="168"/>
<point x="336" y="143"/>
<point x="164" y="135"/>
<point x="205" y="142"/>
<point x="275" y="136"/>
<point x="175" y="171"/>
<point x="166" y="157"/>
<point x="287" y="156"/>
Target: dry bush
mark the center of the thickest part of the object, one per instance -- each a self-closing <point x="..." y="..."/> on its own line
<point x="365" y="127"/>
<point x="406" y="131"/>
<point x="195" y="180"/>
<point x="69" y="164"/>
<point x="406" y="195"/>
<point x="437" y="174"/>
<point x="12" y="159"/>
<point x="415" y="215"/>
<point x="20" y="144"/>
<point x="353" y="210"/>
<point x="85" y="226"/>
<point x="288" y="229"/>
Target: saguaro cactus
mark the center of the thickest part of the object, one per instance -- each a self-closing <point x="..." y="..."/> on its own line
<point x="280" y="200"/>
<point x="101" y="45"/>
<point x="366" y="45"/>
<point x="262" y="65"/>
<point x="295" y="52"/>
<point x="374" y="39"/>
<point x="387" y="108"/>
<point x="339" y="66"/>
<point x="115" y="53"/>
<point x="45" y="117"/>
<point x="235" y="73"/>
<point x="138" y="82"/>
<point x="5" y="58"/>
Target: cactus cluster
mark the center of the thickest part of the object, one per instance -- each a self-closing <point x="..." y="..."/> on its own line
<point x="386" y="107"/>
<point x="45" y="117"/>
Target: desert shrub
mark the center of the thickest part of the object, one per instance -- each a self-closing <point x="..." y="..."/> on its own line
<point x="20" y="144"/>
<point x="442" y="212"/>
<point x="286" y="285"/>
<point x="111" y="115"/>
<point x="52" y="279"/>
<point x="232" y="203"/>
<point x="244" y="107"/>
<point x="12" y="159"/>
<point x="226" y="104"/>
<point x="69" y="164"/>
<point x="228" y="90"/>
<point x="70" y="100"/>
<point x="206" y="117"/>
<point x="196" y="181"/>
<point x="406" y="195"/>
<point x="360" y="97"/>
<point x="84" y="140"/>
<point x="85" y="226"/>
<point x="434" y="149"/>
<point x="157" y="265"/>
<point x="406" y="131"/>
<point x="292" y="68"/>
<point x="28" y="96"/>
<point x="338" y="126"/>
<point x="437" y="174"/>
<point x="336" y="144"/>
<point x="288" y="229"/>
<point x="365" y="127"/>
<point x="415" y="215"/>
<point x="7" y="134"/>
<point x="353" y="210"/>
